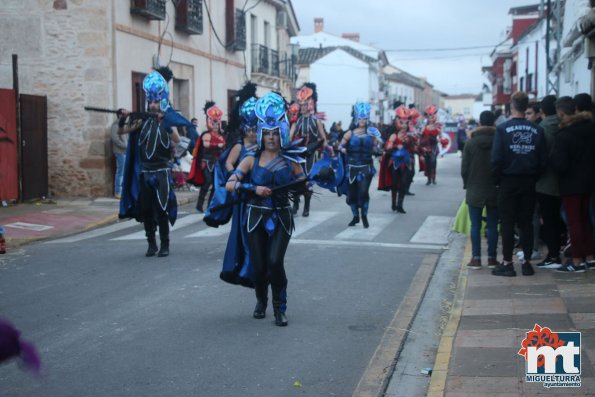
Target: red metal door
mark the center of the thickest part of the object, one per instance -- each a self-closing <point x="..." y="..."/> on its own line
<point x="34" y="149"/>
<point x="9" y="176"/>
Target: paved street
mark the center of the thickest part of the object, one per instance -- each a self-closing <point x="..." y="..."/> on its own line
<point x="109" y="321"/>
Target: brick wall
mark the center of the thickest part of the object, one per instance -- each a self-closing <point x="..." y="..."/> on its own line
<point x="65" y="53"/>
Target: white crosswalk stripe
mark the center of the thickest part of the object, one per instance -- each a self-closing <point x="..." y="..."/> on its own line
<point x="180" y="223"/>
<point x="377" y="224"/>
<point x="434" y="230"/>
<point x="302" y="225"/>
<point x="212" y="231"/>
<point x="116" y="227"/>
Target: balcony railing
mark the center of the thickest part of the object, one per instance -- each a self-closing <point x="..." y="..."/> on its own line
<point x="150" y="9"/>
<point x="189" y="16"/>
<point x="268" y="61"/>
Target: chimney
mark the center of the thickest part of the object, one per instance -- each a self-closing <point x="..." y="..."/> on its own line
<point x="318" y="25"/>
<point x="351" y="36"/>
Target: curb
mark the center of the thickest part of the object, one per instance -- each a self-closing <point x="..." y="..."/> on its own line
<point x="440" y="370"/>
<point x="377" y="374"/>
<point x="108" y="220"/>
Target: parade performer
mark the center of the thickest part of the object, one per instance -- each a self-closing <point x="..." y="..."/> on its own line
<point x="237" y="268"/>
<point x="431" y="136"/>
<point x="147" y="191"/>
<point x="211" y="147"/>
<point x="309" y="129"/>
<point x="269" y="178"/>
<point x="358" y="144"/>
<point x="396" y="164"/>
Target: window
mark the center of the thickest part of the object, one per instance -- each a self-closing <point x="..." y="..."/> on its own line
<point x="529" y="82"/>
<point x="189" y="16"/>
<point x="181" y="96"/>
<point x="138" y="94"/>
<point x="267" y="34"/>
<point x="150" y="9"/>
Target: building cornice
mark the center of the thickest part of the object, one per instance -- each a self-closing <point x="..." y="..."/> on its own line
<point x="154" y="38"/>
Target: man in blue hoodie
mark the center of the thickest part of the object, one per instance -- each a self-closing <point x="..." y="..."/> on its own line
<point x="518" y="159"/>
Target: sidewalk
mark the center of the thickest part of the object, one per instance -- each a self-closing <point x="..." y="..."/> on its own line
<point x="490" y="317"/>
<point x="49" y="219"/>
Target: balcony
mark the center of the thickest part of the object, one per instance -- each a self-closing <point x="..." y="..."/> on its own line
<point x="268" y="62"/>
<point x="150" y="9"/>
<point x="189" y="16"/>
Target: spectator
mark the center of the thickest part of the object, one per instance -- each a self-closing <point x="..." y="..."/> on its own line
<point x="500" y="117"/>
<point x="119" y="144"/>
<point x="461" y="133"/>
<point x="192" y="133"/>
<point x="584" y="103"/>
<point x="573" y="159"/>
<point x="533" y="113"/>
<point x="481" y="190"/>
<point x="518" y="159"/>
<point x="548" y="195"/>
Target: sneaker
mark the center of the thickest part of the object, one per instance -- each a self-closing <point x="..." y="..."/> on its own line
<point x="590" y="265"/>
<point x="492" y="263"/>
<point x="474" y="264"/>
<point x="572" y="268"/>
<point x="504" y="270"/>
<point x="527" y="269"/>
<point x="550" y="263"/>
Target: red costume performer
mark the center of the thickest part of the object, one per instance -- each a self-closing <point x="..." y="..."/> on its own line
<point x="396" y="167"/>
<point x="430" y="138"/>
<point x="211" y="147"/>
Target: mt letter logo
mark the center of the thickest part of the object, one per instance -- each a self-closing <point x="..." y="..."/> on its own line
<point x="553" y="358"/>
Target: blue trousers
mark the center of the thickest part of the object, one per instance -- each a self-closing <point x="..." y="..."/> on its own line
<point x="475" y="215"/>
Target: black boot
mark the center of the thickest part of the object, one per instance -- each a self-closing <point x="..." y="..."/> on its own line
<point x="260" y="310"/>
<point x="280" y="318"/>
<point x="393" y="200"/>
<point x="201" y="199"/>
<point x="429" y="181"/>
<point x="164" y="250"/>
<point x="400" y="209"/>
<point x="434" y="180"/>
<point x="306" y="212"/>
<point x="365" y="221"/>
<point x="152" y="250"/>
<point x="354" y="221"/>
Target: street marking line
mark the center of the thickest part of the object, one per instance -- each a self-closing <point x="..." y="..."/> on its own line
<point x="377" y="374"/>
<point x="377" y="225"/>
<point x="302" y="225"/>
<point x="95" y="233"/>
<point x="345" y="243"/>
<point x="180" y="223"/>
<point x="212" y="231"/>
<point x="440" y="370"/>
<point x="434" y="230"/>
<point x="29" y="226"/>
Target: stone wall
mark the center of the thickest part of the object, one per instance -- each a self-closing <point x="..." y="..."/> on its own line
<point x="65" y="53"/>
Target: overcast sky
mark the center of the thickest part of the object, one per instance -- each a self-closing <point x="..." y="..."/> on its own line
<point x="421" y="24"/>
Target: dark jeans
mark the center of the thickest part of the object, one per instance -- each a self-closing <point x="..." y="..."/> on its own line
<point x="552" y="222"/>
<point x="516" y="204"/>
<point x="579" y="228"/>
<point x="475" y="215"/>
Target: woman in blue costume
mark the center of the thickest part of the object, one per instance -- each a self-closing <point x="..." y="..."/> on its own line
<point x="236" y="262"/>
<point x="359" y="144"/>
<point x="269" y="177"/>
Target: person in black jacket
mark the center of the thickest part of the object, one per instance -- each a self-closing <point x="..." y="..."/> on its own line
<point x="518" y="159"/>
<point x="573" y="159"/>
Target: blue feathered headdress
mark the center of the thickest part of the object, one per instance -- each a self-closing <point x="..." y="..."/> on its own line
<point x="248" y="117"/>
<point x="270" y="111"/>
<point x="156" y="89"/>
